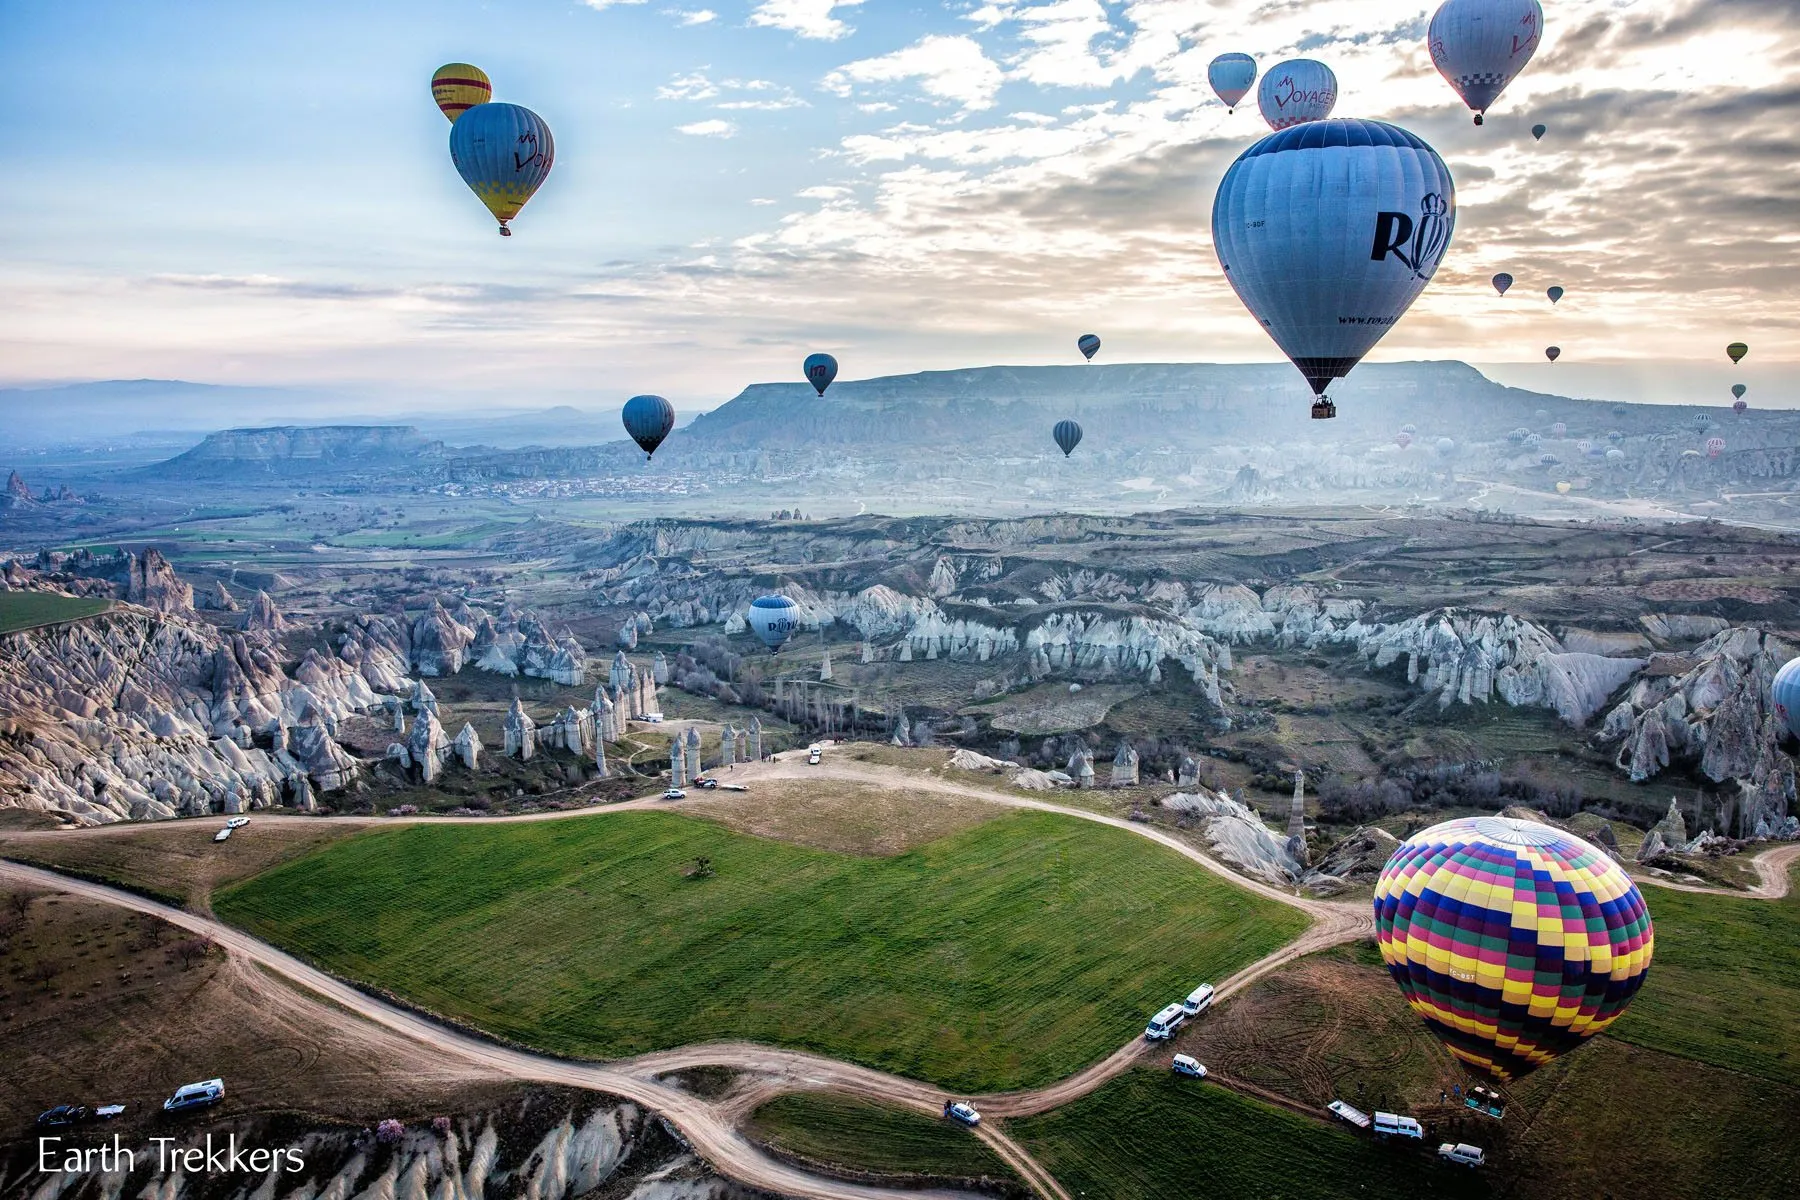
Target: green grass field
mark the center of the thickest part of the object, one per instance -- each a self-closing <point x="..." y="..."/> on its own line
<point x="1150" y="1135"/>
<point x="26" y="610"/>
<point x="1009" y="955"/>
<point x="872" y="1138"/>
<point x="1724" y="986"/>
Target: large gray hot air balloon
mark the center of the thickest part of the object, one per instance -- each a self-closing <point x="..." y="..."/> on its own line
<point x="1296" y="91"/>
<point x="648" y="420"/>
<point x="819" y="369"/>
<point x="773" y="619"/>
<point x="1784" y="696"/>
<point x="1502" y="281"/>
<point x="1067" y="435"/>
<point x="1329" y="274"/>
<point x="1089" y="345"/>
<point x="1480" y="45"/>
<point x="1232" y="76"/>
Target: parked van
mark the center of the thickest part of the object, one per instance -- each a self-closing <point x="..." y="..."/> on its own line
<point x="204" y="1094"/>
<point x="1462" y="1152"/>
<point x="1163" y="1025"/>
<point x="1391" y="1125"/>
<point x="1198" y="1001"/>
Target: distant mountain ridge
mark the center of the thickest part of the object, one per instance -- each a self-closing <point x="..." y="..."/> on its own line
<point x="283" y="448"/>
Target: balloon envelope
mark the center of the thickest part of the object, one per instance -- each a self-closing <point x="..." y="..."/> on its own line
<point x="504" y="153"/>
<point x="1715" y="447"/>
<point x="1089" y="345"/>
<point x="1479" y="46"/>
<point x="1538" y="132"/>
<point x="820" y="370"/>
<point x="1558" y="429"/>
<point x="1737" y="350"/>
<point x="1446" y="447"/>
<point x="1784" y="696"/>
<point x="1553" y="353"/>
<point x="1555" y="294"/>
<point x="1403" y="440"/>
<point x="1231" y="76"/>
<point x="648" y="420"/>
<point x="1502" y="281"/>
<point x="1067" y="435"/>
<point x="1532" y="441"/>
<point x="1738" y="390"/>
<point x="1562" y="489"/>
<point x="1329" y="276"/>
<point x="773" y="619"/>
<point x="1739" y="406"/>
<point x="458" y="87"/>
<point x="1615" y="454"/>
<point x="1296" y="91"/>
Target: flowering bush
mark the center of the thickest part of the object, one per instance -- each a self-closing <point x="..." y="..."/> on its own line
<point x="389" y="1132"/>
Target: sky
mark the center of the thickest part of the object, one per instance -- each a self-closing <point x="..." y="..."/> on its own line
<point x="262" y="194"/>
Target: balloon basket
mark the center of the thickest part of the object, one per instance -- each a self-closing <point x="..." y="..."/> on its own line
<point x="505" y="232"/>
<point x="1478" y="119"/>
<point x="1323" y="410"/>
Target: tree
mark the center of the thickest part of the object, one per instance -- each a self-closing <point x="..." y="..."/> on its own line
<point x="192" y="950"/>
<point x="702" y="868"/>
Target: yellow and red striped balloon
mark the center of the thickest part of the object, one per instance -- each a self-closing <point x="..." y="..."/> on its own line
<point x="1514" y="940"/>
<point x="458" y="87"/>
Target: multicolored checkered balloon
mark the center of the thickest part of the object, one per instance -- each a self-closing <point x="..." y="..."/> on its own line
<point x="1514" y="940"/>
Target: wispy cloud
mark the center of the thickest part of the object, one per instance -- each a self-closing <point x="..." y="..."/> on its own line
<point x="808" y="18"/>
<point x="714" y="128"/>
<point x="951" y="68"/>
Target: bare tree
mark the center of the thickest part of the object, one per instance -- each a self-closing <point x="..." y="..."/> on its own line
<point x="192" y="950"/>
<point x="20" y="901"/>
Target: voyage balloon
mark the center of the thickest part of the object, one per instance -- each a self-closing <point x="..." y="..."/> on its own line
<point x="1515" y="941"/>
<point x="1555" y="294"/>
<point x="1737" y="350"/>
<point x="1409" y="429"/>
<point x="1614" y="454"/>
<point x="1784" y="695"/>
<point x="1562" y="489"/>
<point x="774" y="619"/>
<point x="820" y="370"/>
<point x="504" y="153"/>
<point x="1089" y="345"/>
<point x="1739" y="406"/>
<point x="648" y="420"/>
<point x="1479" y="46"/>
<point x="1532" y="441"/>
<point x="1558" y="429"/>
<point x="1553" y="353"/>
<point x="1715" y="447"/>
<point x="1295" y="92"/>
<point x="1502" y="281"/>
<point x="1538" y="132"/>
<point x="1738" y="390"/>
<point x="458" y="87"/>
<point x="1231" y="76"/>
<point x="1328" y="277"/>
<point x="1067" y="435"/>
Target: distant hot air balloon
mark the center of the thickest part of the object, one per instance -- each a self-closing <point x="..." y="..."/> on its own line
<point x="1515" y="941"/>
<point x="1553" y="353"/>
<point x="1555" y="294"/>
<point x="1231" y="76"/>
<point x="1738" y="390"/>
<point x="1548" y="460"/>
<point x="1067" y="435"/>
<point x="1403" y="440"/>
<point x="1302" y="269"/>
<point x="1714" y="447"/>
<point x="1562" y="488"/>
<point x="1409" y="429"/>
<point x="773" y="619"/>
<point x="1559" y="429"/>
<point x="1583" y="446"/>
<point x="1532" y="440"/>
<point x="1614" y="454"/>
<point x="1295" y="92"/>
<point x="1445" y="447"/>
<point x="1502" y="281"/>
<point x="1538" y="132"/>
<point x="1739" y="406"/>
<point x="1479" y="46"/>
<point x="1615" y="435"/>
<point x="458" y="87"/>
<point x="1518" y="435"/>
<point x="1784" y="695"/>
<point x="648" y="420"/>
<point x="820" y="370"/>
<point x="1089" y="345"/>
<point x="1737" y="350"/>
<point x="504" y="153"/>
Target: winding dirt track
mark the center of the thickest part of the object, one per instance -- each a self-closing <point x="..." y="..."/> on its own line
<point x="1772" y="867"/>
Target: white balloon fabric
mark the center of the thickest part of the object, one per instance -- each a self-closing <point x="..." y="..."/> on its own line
<point x="1296" y="91"/>
<point x="773" y="619"/>
<point x="1480" y="46"/>
<point x="1232" y="76"/>
<point x="1328" y="232"/>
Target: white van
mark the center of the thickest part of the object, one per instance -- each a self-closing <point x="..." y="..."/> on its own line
<point x="1163" y="1025"/>
<point x="1462" y="1152"/>
<point x="204" y="1094"/>
<point x="1391" y="1125"/>
<point x="1198" y="1001"/>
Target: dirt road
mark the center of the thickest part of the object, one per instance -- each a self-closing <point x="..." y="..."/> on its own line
<point x="1772" y="869"/>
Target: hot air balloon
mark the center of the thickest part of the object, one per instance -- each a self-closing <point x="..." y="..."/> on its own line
<point x="1403" y="440"/>
<point x="1784" y="695"/>
<point x="1532" y="441"/>
<point x="1555" y="294"/>
<point x="1562" y="488"/>
<point x="820" y="370"/>
<point x="1553" y="352"/>
<point x="1231" y="76"/>
<point x="1542" y="414"/>
<point x="1737" y="350"/>
<point x="1089" y="345"/>
<point x="773" y="619"/>
<point x="1738" y="390"/>
<point x="648" y="420"/>
<point x="1583" y="446"/>
<point x="1559" y="429"/>
<point x="1502" y="281"/>
<point x="1614" y="454"/>
<point x="1518" y="435"/>
<point x="458" y="87"/>
<point x="1715" y="446"/>
<point x="1515" y="941"/>
<point x="1445" y="447"/>
<point x="1615" y="435"/>
<point x="504" y="153"/>
<point x="1295" y="92"/>
<point x="1306" y="271"/>
<point x="1538" y="132"/>
<point x="1479" y="46"/>
<point x="1548" y="460"/>
<point x="1409" y="429"/>
<point x="1739" y="406"/>
<point x="1067" y="435"/>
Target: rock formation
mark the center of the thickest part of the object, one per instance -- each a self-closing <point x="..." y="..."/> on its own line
<point x="678" y="776"/>
<point x="429" y="748"/>
<point x="216" y="598"/>
<point x="423" y="699"/>
<point x="264" y="617"/>
<point x="694" y="766"/>
<point x="1239" y="836"/>
<point x="468" y="748"/>
<point x="756" y="746"/>
<point x="1125" y="766"/>
<point x="152" y="583"/>
<point x="521" y="733"/>
<point x="659" y="669"/>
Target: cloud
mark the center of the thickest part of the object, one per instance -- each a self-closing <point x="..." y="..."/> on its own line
<point x="714" y="129"/>
<point x="808" y="18"/>
<point x="951" y="68"/>
<point x="698" y="16"/>
<point x="762" y="94"/>
<point x="603" y="5"/>
<point x="693" y="86"/>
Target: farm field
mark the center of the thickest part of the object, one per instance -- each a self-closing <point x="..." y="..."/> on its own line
<point x="1008" y="955"/>
<point x="854" y="1135"/>
<point x="27" y="610"/>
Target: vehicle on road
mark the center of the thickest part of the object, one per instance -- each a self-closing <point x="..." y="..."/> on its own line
<point x="237" y="822"/>
<point x="709" y="784"/>
<point x="674" y="794"/>
<point x="813" y="753"/>
<point x="964" y="1112"/>
<point x="1394" y="1125"/>
<point x="1163" y="1025"/>
<point x="107" y="1112"/>
<point x="63" y="1114"/>
<point x="1191" y="1067"/>
<point x="1349" y="1113"/>
<point x="204" y="1094"/>
<point x="1198" y="1001"/>
<point x="1484" y="1101"/>
<point x="222" y="834"/>
<point x="1462" y="1152"/>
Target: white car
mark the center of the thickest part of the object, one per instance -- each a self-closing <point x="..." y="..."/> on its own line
<point x="1462" y="1152"/>
<point x="204" y="1094"/>
<point x="813" y="754"/>
<point x="964" y="1112"/>
<point x="1191" y="1067"/>
<point x="674" y="794"/>
<point x="237" y="822"/>
<point x="706" y="783"/>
